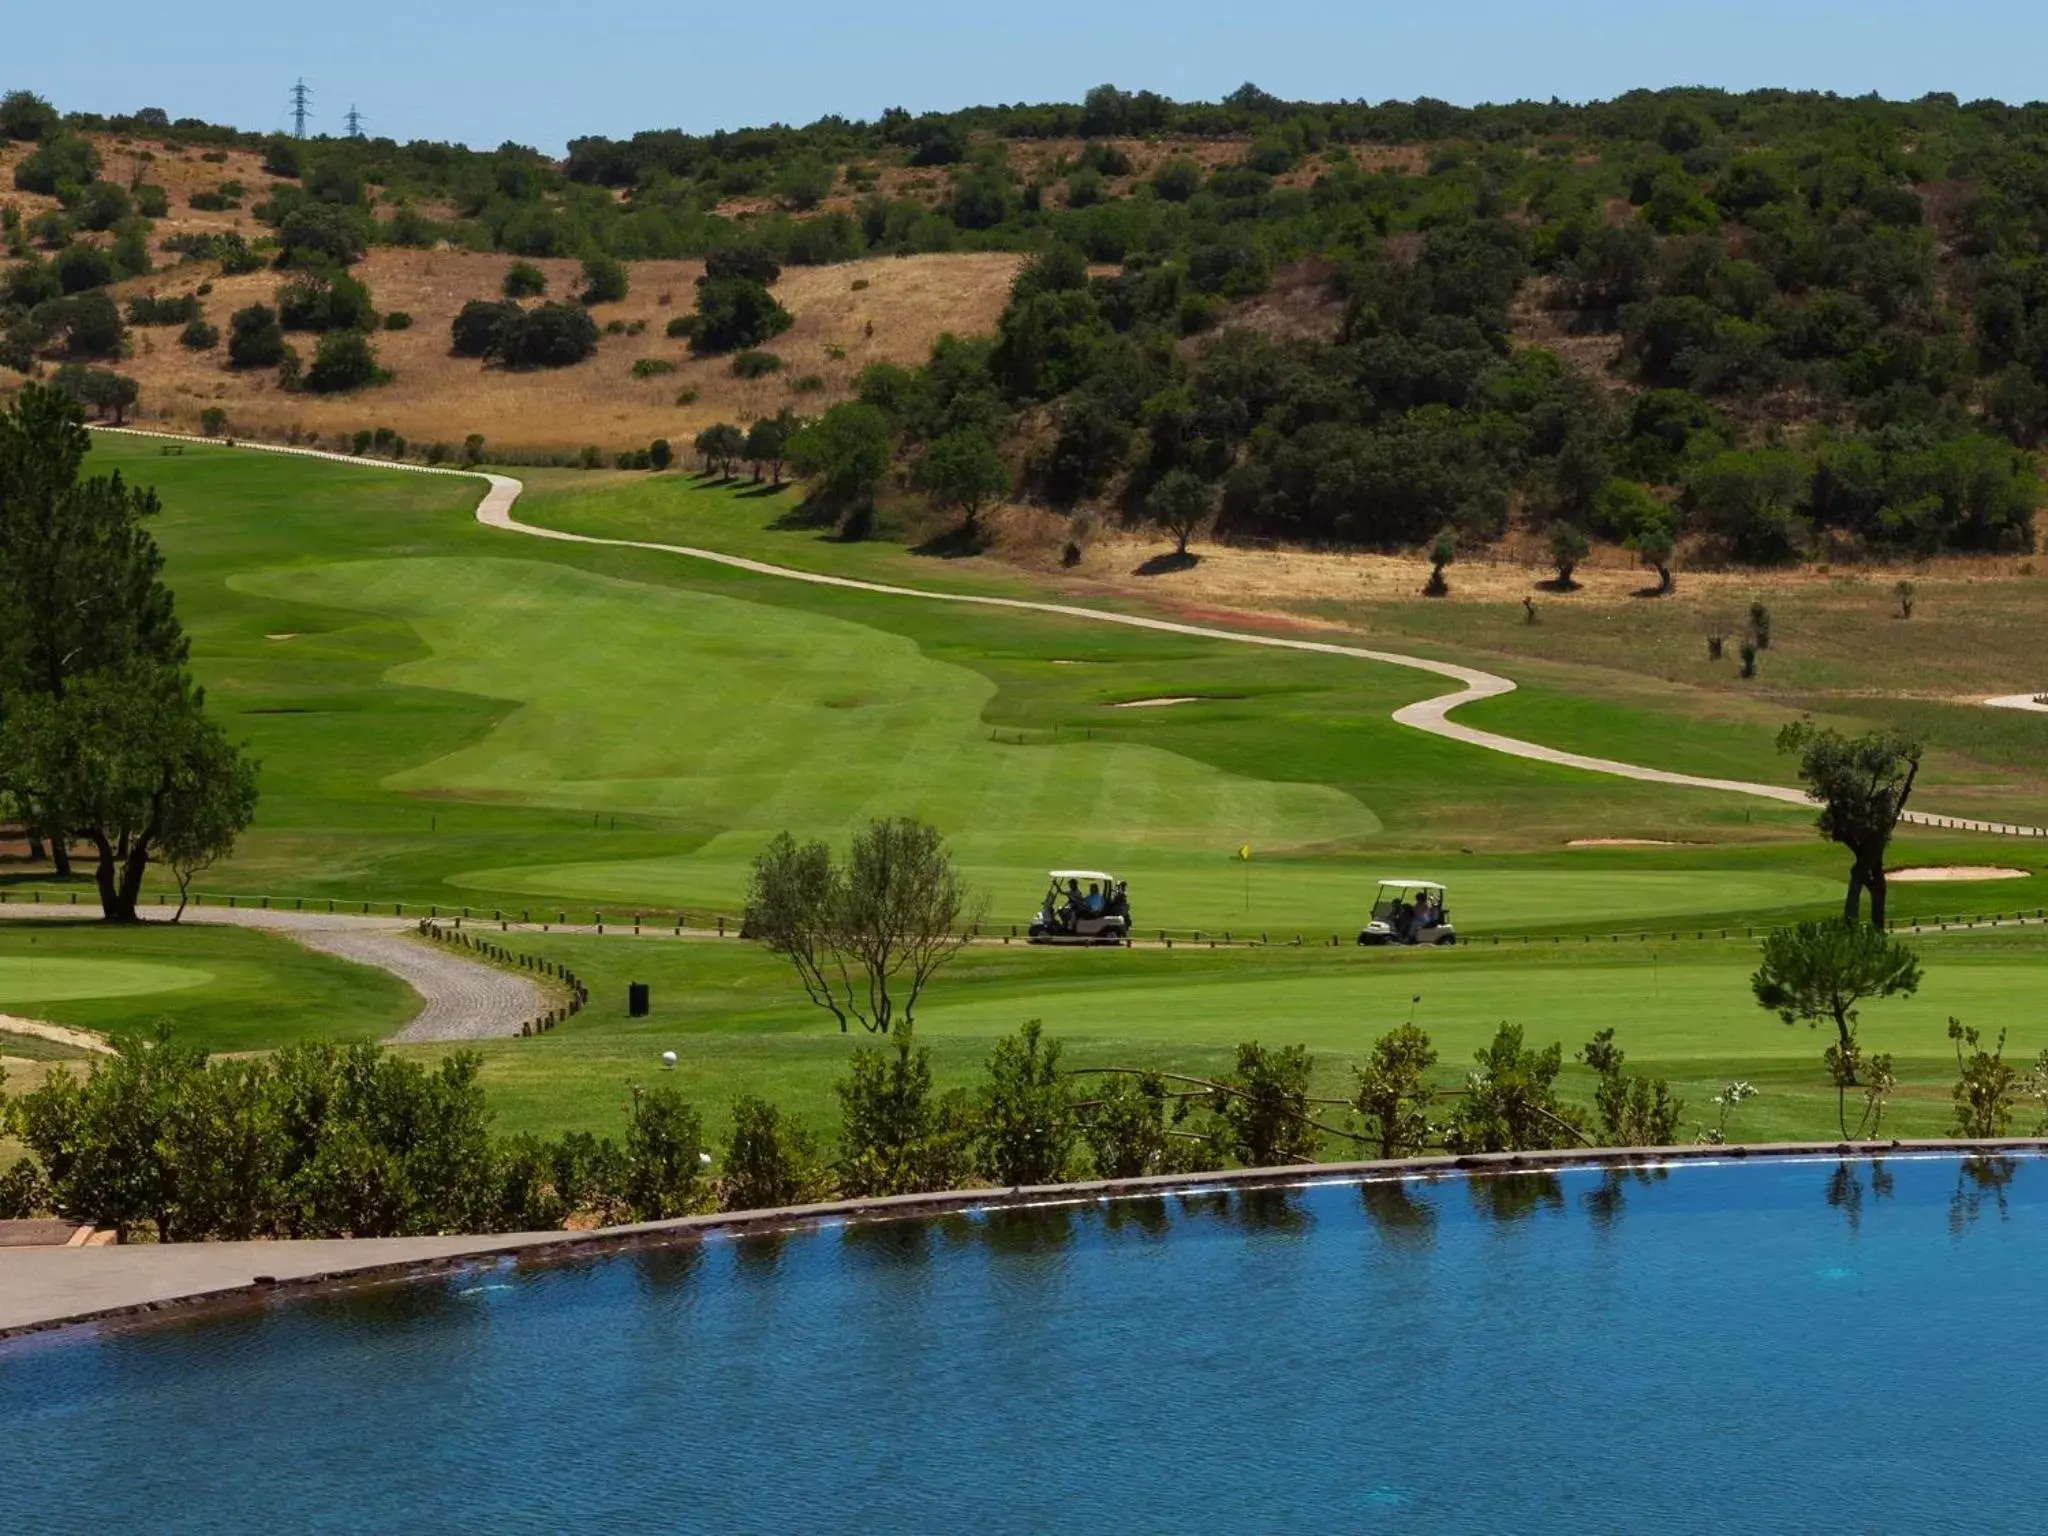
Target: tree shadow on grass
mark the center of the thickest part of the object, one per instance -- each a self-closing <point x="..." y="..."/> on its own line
<point x="1558" y="585"/>
<point x="1168" y="563"/>
<point x="757" y="492"/>
<point x="955" y="543"/>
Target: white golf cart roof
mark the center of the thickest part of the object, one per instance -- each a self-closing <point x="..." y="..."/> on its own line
<point x="1410" y="885"/>
<point x="1084" y="874"/>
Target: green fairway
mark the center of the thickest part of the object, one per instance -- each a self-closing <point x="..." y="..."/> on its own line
<point x="223" y="988"/>
<point x="449" y="714"/>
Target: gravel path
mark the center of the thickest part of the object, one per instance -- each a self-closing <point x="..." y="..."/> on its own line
<point x="1430" y="715"/>
<point x="462" y="999"/>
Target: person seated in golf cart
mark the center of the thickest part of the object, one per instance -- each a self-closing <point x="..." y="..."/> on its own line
<point x="1098" y="915"/>
<point x="1409" y="912"/>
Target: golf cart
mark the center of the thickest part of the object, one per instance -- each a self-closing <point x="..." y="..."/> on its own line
<point x="1409" y="912"/>
<point x="1082" y="906"/>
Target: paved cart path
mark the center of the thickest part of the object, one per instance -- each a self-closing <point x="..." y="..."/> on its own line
<point x="461" y="998"/>
<point x="1432" y="715"/>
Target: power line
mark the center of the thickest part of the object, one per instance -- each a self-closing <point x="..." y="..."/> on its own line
<point x="302" y="97"/>
<point x="354" y="119"/>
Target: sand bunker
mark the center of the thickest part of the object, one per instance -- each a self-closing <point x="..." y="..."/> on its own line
<point x="58" y="1034"/>
<point x="1185" y="698"/>
<point x="1627" y="842"/>
<point x="2038" y="702"/>
<point x="291" y="635"/>
<point x="1955" y="872"/>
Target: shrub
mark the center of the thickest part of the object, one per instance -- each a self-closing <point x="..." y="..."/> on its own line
<point x="213" y="421"/>
<point x="552" y="336"/>
<point x="26" y="116"/>
<point x="615" y="327"/>
<point x="652" y="367"/>
<point x="289" y="367"/>
<point x="771" y="1160"/>
<point x="102" y="205"/>
<point x="604" y="280"/>
<point x="148" y="309"/>
<point x="897" y="1136"/>
<point x="480" y="325"/>
<point x="255" y="339"/>
<point x="212" y="202"/>
<point x="199" y="336"/>
<point x="344" y="361"/>
<point x="83" y="267"/>
<point x="1028" y="1124"/>
<point x="82" y="325"/>
<point x="735" y="313"/>
<point x="360" y="443"/>
<point x="755" y="365"/>
<point x="590" y="458"/>
<point x="320" y="234"/>
<point x="473" y="448"/>
<point x="686" y="396"/>
<point x="680" y="326"/>
<point x="523" y="280"/>
<point x="398" y="320"/>
<point x="62" y="157"/>
<point x="659" y="454"/>
<point x="807" y="383"/>
<point x="325" y="302"/>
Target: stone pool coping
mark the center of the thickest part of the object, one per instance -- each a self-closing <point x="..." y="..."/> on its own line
<point x="43" y="1289"/>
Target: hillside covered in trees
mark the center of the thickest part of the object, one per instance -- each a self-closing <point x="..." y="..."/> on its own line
<point x="1773" y="324"/>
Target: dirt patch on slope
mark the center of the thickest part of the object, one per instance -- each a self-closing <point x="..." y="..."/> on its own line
<point x="904" y="305"/>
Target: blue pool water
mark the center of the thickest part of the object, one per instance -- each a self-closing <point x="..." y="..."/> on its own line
<point x="1751" y="1347"/>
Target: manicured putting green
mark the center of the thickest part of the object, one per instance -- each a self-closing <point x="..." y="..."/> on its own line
<point x="25" y="979"/>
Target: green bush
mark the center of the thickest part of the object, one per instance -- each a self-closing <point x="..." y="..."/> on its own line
<point x="60" y="160"/>
<point x="659" y="454"/>
<point x="680" y="326"/>
<point x="25" y="116"/>
<point x="652" y="367"/>
<point x="148" y="309"/>
<point x="755" y="365"/>
<point x="344" y="361"/>
<point x="199" y="336"/>
<point x="322" y="302"/>
<point x="604" y="280"/>
<point x="523" y="280"/>
<point x="213" y="421"/>
<point x="398" y="320"/>
<point x="255" y="339"/>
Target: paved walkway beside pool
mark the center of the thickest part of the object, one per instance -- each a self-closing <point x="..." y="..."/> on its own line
<point x="40" y="1286"/>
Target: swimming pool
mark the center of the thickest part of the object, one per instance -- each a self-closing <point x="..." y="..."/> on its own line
<point x="1741" y="1347"/>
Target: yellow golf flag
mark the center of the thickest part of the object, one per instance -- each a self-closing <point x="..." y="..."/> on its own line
<point x="1244" y="851"/>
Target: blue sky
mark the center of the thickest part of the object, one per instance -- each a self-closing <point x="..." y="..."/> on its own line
<point x="541" y="73"/>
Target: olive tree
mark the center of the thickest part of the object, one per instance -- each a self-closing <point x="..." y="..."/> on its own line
<point x="1179" y="503"/>
<point x="962" y="470"/>
<point x="1862" y="784"/>
<point x="865" y="937"/>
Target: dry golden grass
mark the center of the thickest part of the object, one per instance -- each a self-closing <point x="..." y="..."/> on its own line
<point x="906" y="304"/>
<point x="179" y="171"/>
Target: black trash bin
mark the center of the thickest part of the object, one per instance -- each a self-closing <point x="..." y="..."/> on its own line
<point x="636" y="999"/>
